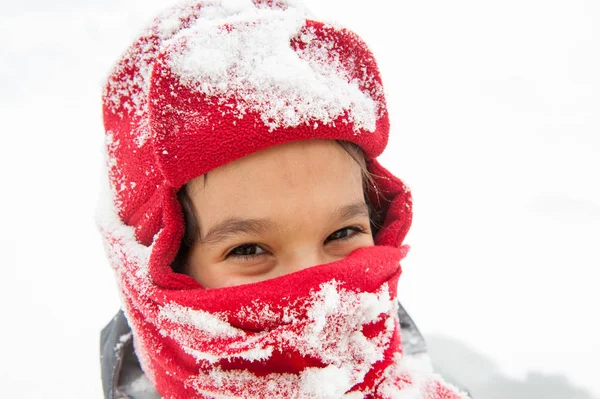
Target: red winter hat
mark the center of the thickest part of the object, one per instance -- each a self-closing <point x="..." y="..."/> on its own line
<point x="212" y="81"/>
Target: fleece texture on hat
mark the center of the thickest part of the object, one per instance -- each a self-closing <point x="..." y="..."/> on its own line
<point x="212" y="81"/>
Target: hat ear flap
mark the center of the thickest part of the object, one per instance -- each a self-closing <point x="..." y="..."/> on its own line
<point x="166" y="244"/>
<point x="392" y="202"/>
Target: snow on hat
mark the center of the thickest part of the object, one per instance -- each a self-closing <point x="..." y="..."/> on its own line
<point x="212" y="81"/>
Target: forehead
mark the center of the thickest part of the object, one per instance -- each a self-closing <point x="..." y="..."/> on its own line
<point x="315" y="176"/>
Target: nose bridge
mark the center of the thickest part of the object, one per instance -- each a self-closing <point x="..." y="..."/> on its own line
<point x="304" y="256"/>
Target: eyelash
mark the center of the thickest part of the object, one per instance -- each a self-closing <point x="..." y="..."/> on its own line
<point x="356" y="229"/>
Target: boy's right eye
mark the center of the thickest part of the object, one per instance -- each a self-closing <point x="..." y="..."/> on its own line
<point x="246" y="251"/>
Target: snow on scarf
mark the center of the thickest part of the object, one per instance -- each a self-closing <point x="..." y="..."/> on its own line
<point x="209" y="83"/>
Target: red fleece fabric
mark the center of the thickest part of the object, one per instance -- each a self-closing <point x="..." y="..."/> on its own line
<point x="317" y="333"/>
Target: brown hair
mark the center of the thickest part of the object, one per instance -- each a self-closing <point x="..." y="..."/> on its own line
<point x="192" y="227"/>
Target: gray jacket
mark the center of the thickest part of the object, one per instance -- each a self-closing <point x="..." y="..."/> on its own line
<point x="123" y="378"/>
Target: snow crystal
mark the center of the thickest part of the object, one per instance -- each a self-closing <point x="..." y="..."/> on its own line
<point x="142" y="385"/>
<point x="372" y="306"/>
<point x="254" y="63"/>
<point x="354" y="395"/>
<point x="123" y="339"/>
<point x="215" y="354"/>
<point x="213" y="327"/>
<point x="316" y="383"/>
<point x="143" y="132"/>
<point x="119" y="239"/>
<point x="333" y="310"/>
<point x="199" y="319"/>
<point x="421" y="379"/>
<point x="328" y="304"/>
<point x="325" y="383"/>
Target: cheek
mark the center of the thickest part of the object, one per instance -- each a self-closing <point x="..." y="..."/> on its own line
<point x="340" y="250"/>
<point x="219" y="276"/>
<point x="365" y="240"/>
<point x="202" y="269"/>
<point x="210" y="271"/>
<point x="210" y="276"/>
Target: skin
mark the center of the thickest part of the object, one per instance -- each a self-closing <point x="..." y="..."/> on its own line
<point x="277" y="211"/>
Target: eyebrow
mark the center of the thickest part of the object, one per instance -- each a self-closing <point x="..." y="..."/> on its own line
<point x="237" y="226"/>
<point x="352" y="211"/>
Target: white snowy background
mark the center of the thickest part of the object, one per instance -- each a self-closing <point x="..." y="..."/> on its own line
<point x="496" y="127"/>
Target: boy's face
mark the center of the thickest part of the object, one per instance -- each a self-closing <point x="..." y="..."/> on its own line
<point x="277" y="211"/>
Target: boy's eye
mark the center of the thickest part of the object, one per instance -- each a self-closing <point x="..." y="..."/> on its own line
<point x="247" y="250"/>
<point x="343" y="234"/>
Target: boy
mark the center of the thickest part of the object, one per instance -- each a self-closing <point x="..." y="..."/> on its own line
<point x="255" y="238"/>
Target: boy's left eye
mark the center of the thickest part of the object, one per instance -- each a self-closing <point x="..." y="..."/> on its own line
<point x="344" y="234"/>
